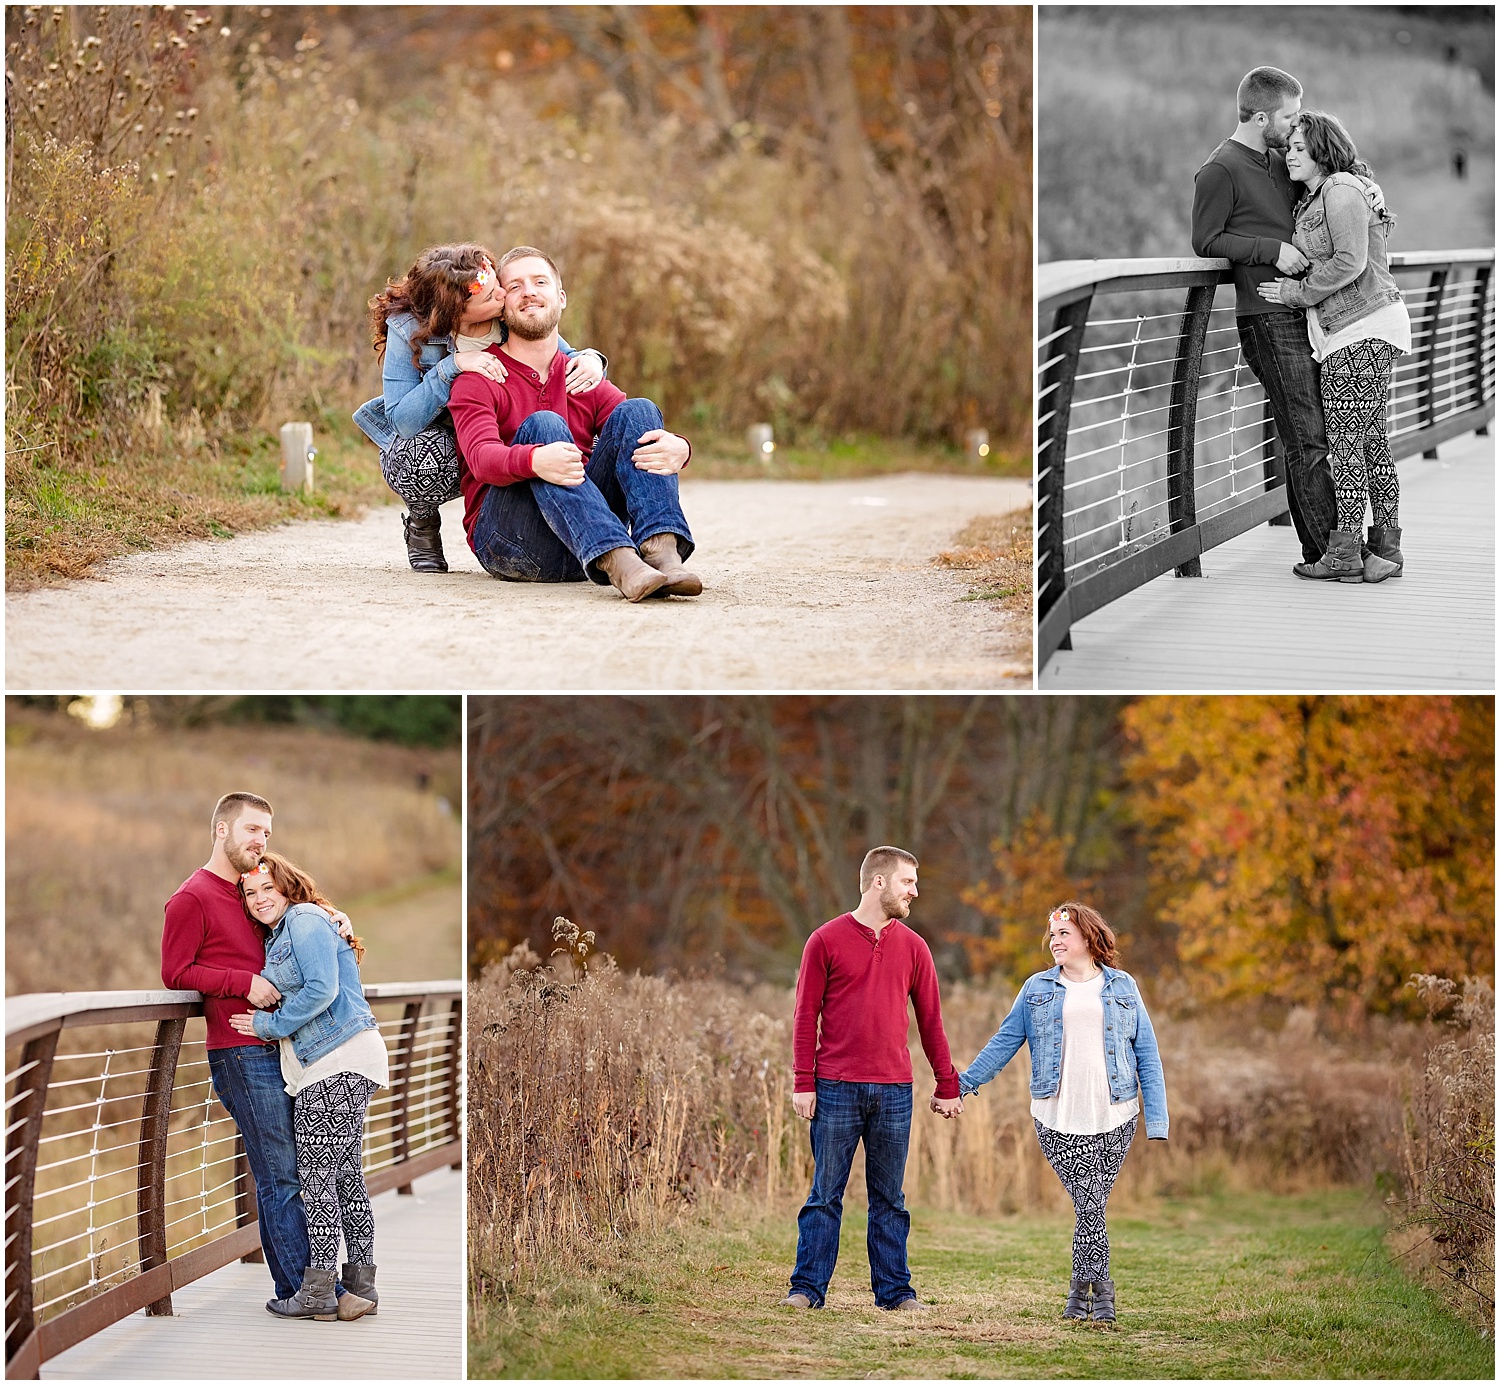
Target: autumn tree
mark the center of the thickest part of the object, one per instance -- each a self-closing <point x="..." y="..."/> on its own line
<point x="1319" y="850"/>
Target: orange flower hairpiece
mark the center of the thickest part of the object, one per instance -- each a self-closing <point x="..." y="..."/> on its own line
<point x="483" y="279"/>
<point x="1059" y="916"/>
<point x="261" y="868"/>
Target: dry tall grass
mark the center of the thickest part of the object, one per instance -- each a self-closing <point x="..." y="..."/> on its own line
<point x="602" y="1103"/>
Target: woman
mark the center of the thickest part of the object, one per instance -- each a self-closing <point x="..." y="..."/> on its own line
<point x="1092" y="1048"/>
<point x="1358" y="325"/>
<point x="333" y="1059"/>
<point x="442" y="316"/>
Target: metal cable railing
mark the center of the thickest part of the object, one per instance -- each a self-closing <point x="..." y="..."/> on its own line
<point x="125" y="1177"/>
<point x="1154" y="439"/>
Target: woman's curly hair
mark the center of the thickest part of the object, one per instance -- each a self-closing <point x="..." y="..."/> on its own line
<point x="435" y="290"/>
<point x="299" y="888"/>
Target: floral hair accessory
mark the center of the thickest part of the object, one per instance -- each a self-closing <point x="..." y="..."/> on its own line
<point x="1059" y="916"/>
<point x="483" y="279"/>
<point x="260" y="868"/>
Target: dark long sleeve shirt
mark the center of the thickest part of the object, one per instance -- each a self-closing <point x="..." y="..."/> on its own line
<point x="858" y="986"/>
<point x="208" y="944"/>
<point x="1242" y="212"/>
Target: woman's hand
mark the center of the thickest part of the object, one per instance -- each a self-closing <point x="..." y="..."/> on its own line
<point x="483" y="363"/>
<point x="1274" y="291"/>
<point x="244" y="1022"/>
<point x="660" y="452"/>
<point x="585" y="370"/>
<point x="558" y="462"/>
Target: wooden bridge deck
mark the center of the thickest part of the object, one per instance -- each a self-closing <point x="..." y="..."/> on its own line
<point x="1248" y="625"/>
<point x="221" y="1331"/>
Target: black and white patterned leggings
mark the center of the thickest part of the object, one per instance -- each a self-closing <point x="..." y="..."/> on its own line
<point x="423" y="470"/>
<point x="1356" y="384"/>
<point x="1088" y="1166"/>
<point x="329" y="1120"/>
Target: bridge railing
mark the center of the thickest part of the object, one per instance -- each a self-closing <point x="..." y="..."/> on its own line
<point x="126" y="1179"/>
<point x="1154" y="439"/>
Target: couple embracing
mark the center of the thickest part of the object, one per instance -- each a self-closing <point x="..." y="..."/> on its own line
<point x="1296" y="211"/>
<point x="1094" y="1067"/>
<point x="294" y="1051"/>
<point x="563" y="478"/>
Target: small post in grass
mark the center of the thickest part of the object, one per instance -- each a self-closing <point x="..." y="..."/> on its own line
<point x="762" y="443"/>
<point x="297" y="454"/>
<point x="977" y="444"/>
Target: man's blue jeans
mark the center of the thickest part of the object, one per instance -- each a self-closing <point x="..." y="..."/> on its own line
<point x="879" y="1113"/>
<point x="1277" y="350"/>
<point x="534" y="531"/>
<point x="248" y="1081"/>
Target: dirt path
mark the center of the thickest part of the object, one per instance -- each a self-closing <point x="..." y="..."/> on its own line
<point x="808" y="585"/>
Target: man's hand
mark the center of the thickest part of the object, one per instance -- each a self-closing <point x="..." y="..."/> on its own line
<point x="558" y="462"/>
<point x="263" y="995"/>
<point x="341" y="922"/>
<point x="1274" y="290"/>
<point x="946" y="1106"/>
<point x="1290" y="260"/>
<point x="585" y="370"/>
<point x="660" y="452"/>
<point x="244" y="1022"/>
<point x="804" y="1104"/>
<point x="481" y="363"/>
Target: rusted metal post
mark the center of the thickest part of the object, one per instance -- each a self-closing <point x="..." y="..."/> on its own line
<point x="1427" y="379"/>
<point x="21" y="1143"/>
<point x="1055" y="382"/>
<point x="451" y="1060"/>
<point x="401" y="1107"/>
<point x="151" y="1160"/>
<point x="1182" y="417"/>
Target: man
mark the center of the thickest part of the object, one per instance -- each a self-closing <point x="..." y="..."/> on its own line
<point x="550" y="480"/>
<point x="1242" y="212"/>
<point x="853" y="1080"/>
<point x="208" y="944"/>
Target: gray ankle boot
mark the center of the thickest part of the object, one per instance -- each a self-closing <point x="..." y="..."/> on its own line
<point x="1341" y="563"/>
<point x="1385" y="544"/>
<point x="315" y="1299"/>
<point x="1078" y="1298"/>
<point x="1104" y="1301"/>
<point x="359" y="1280"/>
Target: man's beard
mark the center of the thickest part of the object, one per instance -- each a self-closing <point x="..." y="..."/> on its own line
<point x="893" y="905"/>
<point x="1276" y="140"/>
<point x="535" y="328"/>
<point x="240" y="858"/>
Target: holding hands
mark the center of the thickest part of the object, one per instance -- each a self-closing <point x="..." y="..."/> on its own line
<point x="947" y="1107"/>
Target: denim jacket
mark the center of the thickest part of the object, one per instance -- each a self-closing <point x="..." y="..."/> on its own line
<point x="1345" y="240"/>
<point x="322" y="1002"/>
<point x="1130" y="1053"/>
<point x="414" y="394"/>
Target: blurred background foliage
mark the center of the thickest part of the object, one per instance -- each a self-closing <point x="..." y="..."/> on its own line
<point x="819" y="217"/>
<point x="1134" y="99"/>
<point x="1280" y="852"/>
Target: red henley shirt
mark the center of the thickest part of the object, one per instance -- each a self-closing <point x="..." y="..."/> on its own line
<point x="858" y="985"/>
<point x="208" y="945"/>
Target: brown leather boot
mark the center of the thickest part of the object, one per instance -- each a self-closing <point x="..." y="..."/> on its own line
<point x="422" y="526"/>
<point x="632" y="578"/>
<point x="660" y="550"/>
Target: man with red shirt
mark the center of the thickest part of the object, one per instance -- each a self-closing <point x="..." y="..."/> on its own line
<point x="551" y="480"/>
<point x="208" y="944"/>
<point x="853" y="1079"/>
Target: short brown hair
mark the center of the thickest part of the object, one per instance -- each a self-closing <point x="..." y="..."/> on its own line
<point x="878" y="861"/>
<point x="1265" y="89"/>
<point x="298" y="887"/>
<point x="1098" y="936"/>
<point x="522" y="252"/>
<point x="229" y="808"/>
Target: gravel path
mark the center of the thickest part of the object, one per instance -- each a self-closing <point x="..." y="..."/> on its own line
<point x="815" y="585"/>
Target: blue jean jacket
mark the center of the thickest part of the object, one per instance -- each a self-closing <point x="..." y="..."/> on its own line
<point x="322" y="1001"/>
<point x="1130" y="1053"/>
<point x="414" y="394"/>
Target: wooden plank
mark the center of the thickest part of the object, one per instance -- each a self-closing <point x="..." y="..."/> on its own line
<point x="1088" y="594"/>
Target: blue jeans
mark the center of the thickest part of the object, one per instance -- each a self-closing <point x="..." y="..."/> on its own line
<point x="879" y="1113"/>
<point x="248" y="1081"/>
<point x="1277" y="350"/>
<point x="534" y="531"/>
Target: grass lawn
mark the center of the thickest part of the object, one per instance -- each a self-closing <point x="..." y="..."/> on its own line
<point x="1233" y="1285"/>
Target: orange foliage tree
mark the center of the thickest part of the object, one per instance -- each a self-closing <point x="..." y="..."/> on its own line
<point x="1319" y="850"/>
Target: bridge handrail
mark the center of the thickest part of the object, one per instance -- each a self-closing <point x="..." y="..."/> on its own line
<point x="424" y="1132"/>
<point x="1445" y="388"/>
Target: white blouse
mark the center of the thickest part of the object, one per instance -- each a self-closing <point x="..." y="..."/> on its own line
<point x="1081" y="1104"/>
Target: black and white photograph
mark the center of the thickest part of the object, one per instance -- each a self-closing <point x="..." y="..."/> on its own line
<point x="1265" y="316"/>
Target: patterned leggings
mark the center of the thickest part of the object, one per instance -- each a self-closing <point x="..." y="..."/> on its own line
<point x="423" y="470"/>
<point x="1356" y="383"/>
<point x="1088" y="1166"/>
<point x="329" y="1120"/>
